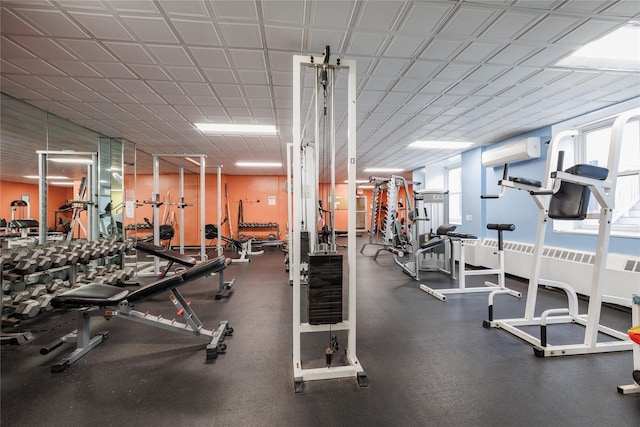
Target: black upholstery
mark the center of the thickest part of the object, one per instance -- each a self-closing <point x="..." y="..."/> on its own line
<point x="571" y="201"/>
<point x="503" y="227"/>
<point x="97" y="294"/>
<point x="93" y="294"/>
<point x="161" y="252"/>
<point x="526" y="181"/>
<point x="440" y="237"/>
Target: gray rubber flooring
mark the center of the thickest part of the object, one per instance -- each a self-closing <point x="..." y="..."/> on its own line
<point x="428" y="363"/>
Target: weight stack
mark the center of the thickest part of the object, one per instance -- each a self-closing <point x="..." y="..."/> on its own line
<point x="324" y="295"/>
<point x="304" y="246"/>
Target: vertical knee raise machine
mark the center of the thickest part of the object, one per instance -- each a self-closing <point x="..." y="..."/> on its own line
<point x="327" y="300"/>
<point x="565" y="196"/>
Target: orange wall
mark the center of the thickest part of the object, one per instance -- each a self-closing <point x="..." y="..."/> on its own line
<point x="254" y="191"/>
<point x="10" y="191"/>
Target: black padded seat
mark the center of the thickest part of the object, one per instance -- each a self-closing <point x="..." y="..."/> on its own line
<point x="441" y="232"/>
<point x="161" y="252"/>
<point x="93" y="294"/>
<point x="571" y="201"/>
<point x="466" y="236"/>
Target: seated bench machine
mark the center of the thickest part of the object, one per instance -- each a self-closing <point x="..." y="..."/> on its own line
<point x="108" y="301"/>
<point x="435" y="243"/>
<point x="463" y="272"/>
<point x="635" y="387"/>
<point x="565" y="196"/>
<point x="185" y="260"/>
<point x="243" y="247"/>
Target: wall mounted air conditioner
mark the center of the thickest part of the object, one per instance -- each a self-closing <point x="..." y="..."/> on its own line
<point x="524" y="149"/>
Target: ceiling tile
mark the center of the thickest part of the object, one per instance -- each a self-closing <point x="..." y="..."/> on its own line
<point x="241" y="35"/>
<point x="193" y="8"/>
<point x="88" y="50"/>
<point x="549" y="29"/>
<point x="103" y="26"/>
<point x="14" y="24"/>
<point x="130" y="53"/>
<point x="423" y="18"/>
<point x="234" y="9"/>
<point x="218" y="76"/>
<point x="149" y="29"/>
<point x="284" y="38"/>
<point x="150" y="72"/>
<point x="277" y="11"/>
<point x="197" y="32"/>
<point x="441" y="49"/>
<point x="247" y="59"/>
<point x="51" y="22"/>
<point x="467" y="21"/>
<point x="185" y="74"/>
<point x="509" y="25"/>
<point x="170" y="55"/>
<point x="74" y="68"/>
<point x="378" y="16"/>
<point x="366" y="44"/>
<point x="112" y="70"/>
<point x="209" y="57"/>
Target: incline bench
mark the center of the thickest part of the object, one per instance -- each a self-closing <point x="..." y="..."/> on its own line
<point x="185" y="260"/>
<point x="107" y="301"/>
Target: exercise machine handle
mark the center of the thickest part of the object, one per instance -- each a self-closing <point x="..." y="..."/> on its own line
<point x="505" y="176"/>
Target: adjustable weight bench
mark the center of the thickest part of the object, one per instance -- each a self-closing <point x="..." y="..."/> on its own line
<point x="109" y="301"/>
<point x="169" y="255"/>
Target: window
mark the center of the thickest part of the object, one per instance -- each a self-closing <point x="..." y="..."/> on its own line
<point x="593" y="148"/>
<point x="454" y="185"/>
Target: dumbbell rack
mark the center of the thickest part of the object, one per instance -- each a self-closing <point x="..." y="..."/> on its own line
<point x="262" y="226"/>
<point x="30" y="279"/>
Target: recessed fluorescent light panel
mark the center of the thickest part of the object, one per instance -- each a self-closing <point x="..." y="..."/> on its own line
<point x="48" y="177"/>
<point x="358" y="181"/>
<point x="259" y="164"/>
<point x="71" y="160"/>
<point x="62" y="183"/>
<point x="221" y="128"/>
<point x="440" y="145"/>
<point x="383" y="170"/>
<point x="618" y="50"/>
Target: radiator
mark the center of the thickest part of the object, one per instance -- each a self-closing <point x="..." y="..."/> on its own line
<point x="622" y="276"/>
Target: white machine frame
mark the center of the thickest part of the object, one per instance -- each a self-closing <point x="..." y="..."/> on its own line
<point x="463" y="273"/>
<point x="155" y="202"/>
<point x="93" y="215"/>
<point x="303" y="193"/>
<point x="604" y="193"/>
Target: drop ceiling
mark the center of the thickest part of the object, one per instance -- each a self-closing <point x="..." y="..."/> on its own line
<point x="145" y="71"/>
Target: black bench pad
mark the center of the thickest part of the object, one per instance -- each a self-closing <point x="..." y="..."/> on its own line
<point x="161" y="252"/>
<point x="97" y="294"/>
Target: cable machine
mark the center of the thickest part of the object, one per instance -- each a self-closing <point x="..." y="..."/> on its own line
<point x="325" y="275"/>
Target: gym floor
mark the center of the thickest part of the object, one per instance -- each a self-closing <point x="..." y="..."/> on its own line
<point x="428" y="363"/>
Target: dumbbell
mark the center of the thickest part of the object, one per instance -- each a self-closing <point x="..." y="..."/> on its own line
<point x="27" y="309"/>
<point x="91" y="274"/>
<point x="20" y="296"/>
<point x="25" y="266"/>
<point x="54" y="285"/>
<point x="58" y="260"/>
<point x="38" y="290"/>
<point x="45" y="302"/>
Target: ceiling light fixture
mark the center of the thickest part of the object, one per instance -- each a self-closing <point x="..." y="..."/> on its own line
<point x="440" y="145"/>
<point x="358" y="181"/>
<point x="383" y="170"/>
<point x="48" y="177"/>
<point x="221" y="128"/>
<point x="618" y="50"/>
<point x="62" y="183"/>
<point x="72" y="160"/>
<point x="259" y="164"/>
